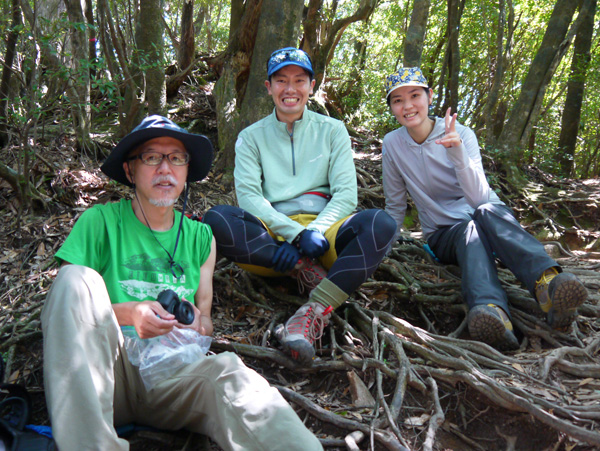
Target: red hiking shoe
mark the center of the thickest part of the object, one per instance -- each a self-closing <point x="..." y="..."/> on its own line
<point x="302" y="330"/>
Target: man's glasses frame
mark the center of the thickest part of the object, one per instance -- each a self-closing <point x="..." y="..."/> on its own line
<point x="156" y="158"/>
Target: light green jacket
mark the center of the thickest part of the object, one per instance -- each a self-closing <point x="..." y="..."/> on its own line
<point x="272" y="165"/>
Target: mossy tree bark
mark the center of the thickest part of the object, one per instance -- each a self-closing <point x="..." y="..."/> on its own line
<point x="415" y="35"/>
<point x="257" y="29"/>
<point x="149" y="36"/>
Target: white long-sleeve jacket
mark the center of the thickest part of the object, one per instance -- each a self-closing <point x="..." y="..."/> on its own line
<point x="446" y="185"/>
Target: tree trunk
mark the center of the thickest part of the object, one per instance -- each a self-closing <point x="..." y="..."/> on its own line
<point x="494" y="92"/>
<point x="322" y="36"/>
<point x="89" y="16"/>
<point x="187" y="46"/>
<point x="43" y="52"/>
<point x="524" y="112"/>
<point x="9" y="56"/>
<point x="415" y="35"/>
<point x="112" y="43"/>
<point x="234" y="67"/>
<point x="186" y="50"/>
<point x="455" y="9"/>
<point x="279" y="26"/>
<point x="149" y="37"/>
<point x="571" y="116"/>
<point x="80" y="88"/>
<point x="240" y="92"/>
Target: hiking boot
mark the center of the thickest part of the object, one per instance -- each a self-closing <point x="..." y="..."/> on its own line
<point x="302" y="330"/>
<point x="559" y="295"/>
<point x="308" y="273"/>
<point x="490" y="324"/>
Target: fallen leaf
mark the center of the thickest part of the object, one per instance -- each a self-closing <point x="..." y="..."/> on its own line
<point x="417" y="421"/>
<point x="586" y="381"/>
<point x="518" y="367"/>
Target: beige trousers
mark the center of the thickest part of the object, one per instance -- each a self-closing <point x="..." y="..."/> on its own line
<point x="91" y="387"/>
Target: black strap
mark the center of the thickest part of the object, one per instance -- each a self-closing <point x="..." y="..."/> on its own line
<point x="15" y="408"/>
<point x="15" y="412"/>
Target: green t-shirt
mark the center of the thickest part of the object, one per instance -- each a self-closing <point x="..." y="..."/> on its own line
<point x="111" y="240"/>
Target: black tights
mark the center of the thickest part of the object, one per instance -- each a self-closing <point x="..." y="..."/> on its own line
<point x="360" y="244"/>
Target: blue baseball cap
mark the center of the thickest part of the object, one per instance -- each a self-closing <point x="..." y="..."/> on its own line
<point x="289" y="56"/>
<point x="198" y="146"/>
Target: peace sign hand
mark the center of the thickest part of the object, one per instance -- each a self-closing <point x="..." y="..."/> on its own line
<point x="451" y="138"/>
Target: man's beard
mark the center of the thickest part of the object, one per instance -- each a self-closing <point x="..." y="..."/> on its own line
<point x="162" y="202"/>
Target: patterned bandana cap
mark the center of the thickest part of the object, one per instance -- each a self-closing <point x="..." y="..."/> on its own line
<point x="287" y="56"/>
<point x="406" y="76"/>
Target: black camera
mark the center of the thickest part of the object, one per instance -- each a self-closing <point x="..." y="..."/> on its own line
<point x="183" y="310"/>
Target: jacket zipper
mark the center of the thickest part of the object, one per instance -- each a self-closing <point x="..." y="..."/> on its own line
<point x="293" y="155"/>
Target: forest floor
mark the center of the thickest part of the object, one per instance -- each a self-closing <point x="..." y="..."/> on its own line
<point x="396" y="367"/>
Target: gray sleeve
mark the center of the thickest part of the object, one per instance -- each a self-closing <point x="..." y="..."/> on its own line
<point x="394" y="187"/>
<point x="466" y="159"/>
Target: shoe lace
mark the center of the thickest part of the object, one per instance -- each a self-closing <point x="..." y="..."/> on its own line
<point x="309" y="275"/>
<point x="546" y="277"/>
<point x="309" y="323"/>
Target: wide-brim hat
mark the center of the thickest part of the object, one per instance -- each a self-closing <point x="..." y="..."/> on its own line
<point x="406" y="76"/>
<point x="289" y="56"/>
<point x="198" y="147"/>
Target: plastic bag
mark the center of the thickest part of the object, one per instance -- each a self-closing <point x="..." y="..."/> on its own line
<point x="160" y="357"/>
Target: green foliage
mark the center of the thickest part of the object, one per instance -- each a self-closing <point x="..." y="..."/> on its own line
<point x="211" y="23"/>
<point x="364" y="101"/>
<point x="364" y="104"/>
<point x="354" y="83"/>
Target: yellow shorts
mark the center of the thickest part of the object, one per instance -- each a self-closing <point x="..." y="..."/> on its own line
<point x="327" y="259"/>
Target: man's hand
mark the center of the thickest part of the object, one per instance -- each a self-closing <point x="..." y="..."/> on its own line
<point x="285" y="257"/>
<point x="451" y="138"/>
<point x="201" y="324"/>
<point x="313" y="244"/>
<point x="150" y="319"/>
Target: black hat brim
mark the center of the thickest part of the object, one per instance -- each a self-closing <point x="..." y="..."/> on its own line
<point x="198" y="146"/>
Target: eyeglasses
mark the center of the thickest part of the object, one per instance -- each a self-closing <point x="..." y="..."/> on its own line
<point x="156" y="158"/>
<point x="289" y="54"/>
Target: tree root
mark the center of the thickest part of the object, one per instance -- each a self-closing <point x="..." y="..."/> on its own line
<point x="403" y="359"/>
<point x="404" y="334"/>
<point x="383" y="437"/>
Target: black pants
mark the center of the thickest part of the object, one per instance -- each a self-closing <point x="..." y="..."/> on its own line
<point x="473" y="245"/>
<point x="360" y="243"/>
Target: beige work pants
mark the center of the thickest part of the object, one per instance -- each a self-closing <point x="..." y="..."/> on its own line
<point x="91" y="387"/>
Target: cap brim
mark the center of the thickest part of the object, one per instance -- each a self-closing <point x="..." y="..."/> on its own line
<point x="198" y="146"/>
<point x="416" y="84"/>
<point x="290" y="63"/>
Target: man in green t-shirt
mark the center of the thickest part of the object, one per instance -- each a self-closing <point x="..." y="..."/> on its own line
<point x="114" y="264"/>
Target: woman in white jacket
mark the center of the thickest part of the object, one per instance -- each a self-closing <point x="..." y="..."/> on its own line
<point x="438" y="162"/>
